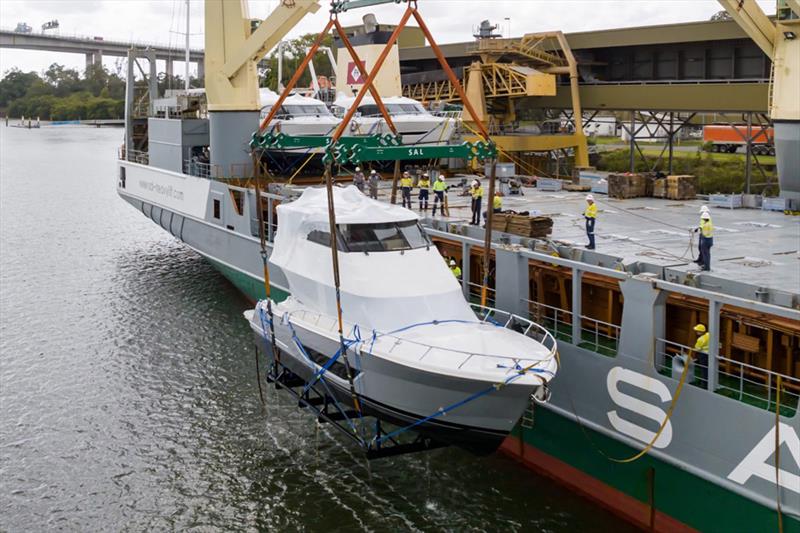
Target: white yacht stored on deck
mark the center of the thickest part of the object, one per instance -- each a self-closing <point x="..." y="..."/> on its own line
<point x="414" y="123"/>
<point x="417" y="348"/>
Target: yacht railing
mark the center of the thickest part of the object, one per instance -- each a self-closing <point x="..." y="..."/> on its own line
<point x="487" y="315"/>
<point x="454" y="115"/>
<point x="507" y="320"/>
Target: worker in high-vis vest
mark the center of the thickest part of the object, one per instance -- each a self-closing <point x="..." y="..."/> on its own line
<point x="424" y="185"/>
<point x="477" y="195"/>
<point x="455" y="269"/>
<point x="590" y="214"/>
<point x="703" y="209"/>
<point x="497" y="205"/>
<point x="406" y="183"/>
<point x="701" y="351"/>
<point x="439" y="190"/>
<point x="706" y="229"/>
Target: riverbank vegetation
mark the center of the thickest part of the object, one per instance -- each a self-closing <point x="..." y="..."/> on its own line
<point x="61" y="93"/>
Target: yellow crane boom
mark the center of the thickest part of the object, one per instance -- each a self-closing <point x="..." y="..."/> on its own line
<point x="233" y="49"/>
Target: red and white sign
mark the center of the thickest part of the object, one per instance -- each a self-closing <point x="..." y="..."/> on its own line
<point x="354" y="74"/>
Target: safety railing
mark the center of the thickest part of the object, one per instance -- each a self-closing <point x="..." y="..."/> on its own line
<point x="757" y="386"/>
<point x="135" y="156"/>
<point x="738" y="380"/>
<point x="557" y="321"/>
<point x="200" y="169"/>
<point x="599" y="336"/>
<point x="666" y="353"/>
<point x="475" y="293"/>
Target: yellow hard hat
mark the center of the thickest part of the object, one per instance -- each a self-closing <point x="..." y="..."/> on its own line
<point x="700" y="328"/>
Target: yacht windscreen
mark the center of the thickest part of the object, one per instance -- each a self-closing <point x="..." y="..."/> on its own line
<point x="385" y="237"/>
<point x="304" y="110"/>
<point x="370" y="110"/>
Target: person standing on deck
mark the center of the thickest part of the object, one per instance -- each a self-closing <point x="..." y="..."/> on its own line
<point x="477" y="195"/>
<point x="701" y="352"/>
<point x="374" y="180"/>
<point x="706" y="230"/>
<point x="424" y="185"/>
<point x="358" y="179"/>
<point x="439" y="190"/>
<point x="497" y="205"/>
<point x="590" y="214"/>
<point x="703" y="209"/>
<point x="455" y="269"/>
<point x="406" y="183"/>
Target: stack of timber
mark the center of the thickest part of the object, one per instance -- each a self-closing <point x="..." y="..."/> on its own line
<point x="627" y="185"/>
<point x="675" y="188"/>
<point x="537" y="227"/>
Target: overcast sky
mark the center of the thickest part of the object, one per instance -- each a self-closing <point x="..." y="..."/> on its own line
<point x="160" y="21"/>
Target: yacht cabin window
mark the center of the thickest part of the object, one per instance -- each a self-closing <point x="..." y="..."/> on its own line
<point x="369" y="110"/>
<point x="299" y="110"/>
<point x="385" y="237"/>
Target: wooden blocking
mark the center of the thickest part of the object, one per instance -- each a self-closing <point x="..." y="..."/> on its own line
<point x="681" y="187"/>
<point x="523" y="225"/>
<point x="627" y="185"/>
<point x="500" y="222"/>
<point x="577" y="188"/>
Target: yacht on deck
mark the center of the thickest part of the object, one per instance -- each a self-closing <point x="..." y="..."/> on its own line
<point x="414" y="123"/>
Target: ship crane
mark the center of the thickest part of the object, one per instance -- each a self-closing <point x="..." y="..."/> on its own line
<point x="234" y="44"/>
<point x="780" y="40"/>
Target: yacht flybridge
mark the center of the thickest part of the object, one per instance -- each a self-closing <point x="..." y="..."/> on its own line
<point x="419" y="355"/>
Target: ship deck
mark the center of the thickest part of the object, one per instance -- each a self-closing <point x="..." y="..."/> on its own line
<point x="760" y="248"/>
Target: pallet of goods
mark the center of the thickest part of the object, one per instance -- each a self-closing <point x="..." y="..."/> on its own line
<point x="627" y="185"/>
<point x="660" y="188"/>
<point x="537" y="227"/>
<point x="680" y="187"/>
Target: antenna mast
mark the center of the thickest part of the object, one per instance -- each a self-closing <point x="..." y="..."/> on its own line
<point x="186" y="57"/>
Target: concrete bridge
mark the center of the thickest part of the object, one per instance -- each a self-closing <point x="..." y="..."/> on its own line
<point x="94" y="48"/>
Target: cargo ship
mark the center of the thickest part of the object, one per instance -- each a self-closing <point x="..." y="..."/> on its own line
<point x="716" y="447"/>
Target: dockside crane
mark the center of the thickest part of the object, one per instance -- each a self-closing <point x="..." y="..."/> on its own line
<point x="780" y="40"/>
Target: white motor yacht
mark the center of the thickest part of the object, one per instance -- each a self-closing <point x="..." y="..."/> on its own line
<point x="420" y="353"/>
<point x="298" y="116"/>
<point x="413" y="122"/>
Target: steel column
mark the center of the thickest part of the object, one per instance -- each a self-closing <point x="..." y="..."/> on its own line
<point x="671" y="140"/>
<point x="714" y="308"/>
<point x="577" y="276"/>
<point x="633" y="141"/>
<point x="749" y="153"/>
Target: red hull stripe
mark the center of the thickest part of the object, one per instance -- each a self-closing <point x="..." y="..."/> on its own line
<point x="618" y="502"/>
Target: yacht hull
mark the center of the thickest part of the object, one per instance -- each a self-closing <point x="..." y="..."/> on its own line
<point x="402" y="395"/>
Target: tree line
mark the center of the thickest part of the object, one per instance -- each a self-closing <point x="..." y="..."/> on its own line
<point x="61" y="93"/>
